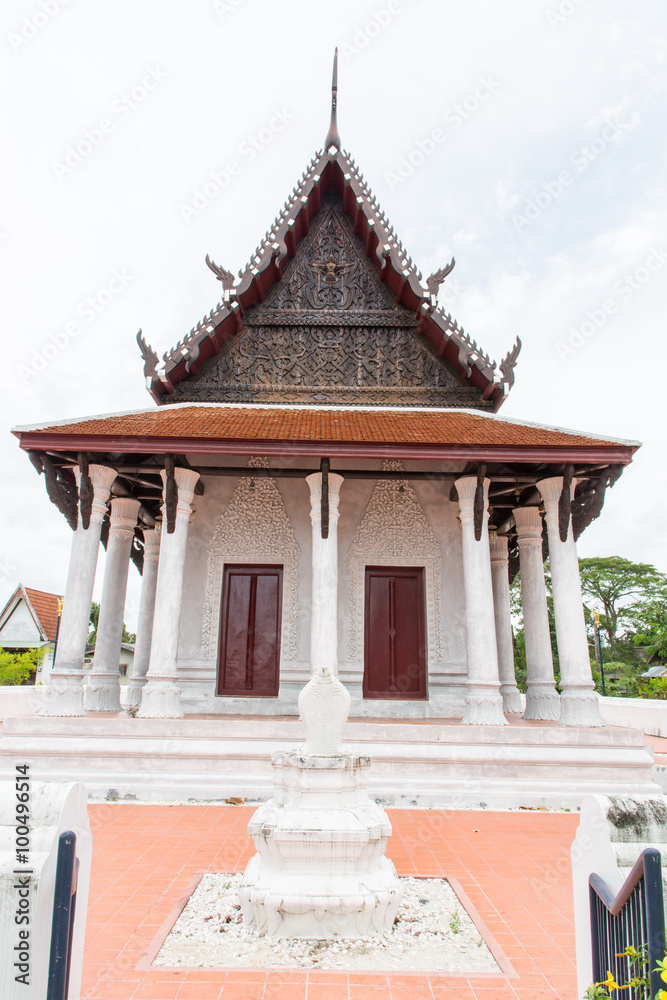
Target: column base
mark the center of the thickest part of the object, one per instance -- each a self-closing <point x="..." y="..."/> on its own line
<point x="542" y="701"/>
<point x="63" y="697"/>
<point x="511" y="699"/>
<point x="103" y="693"/>
<point x="579" y="706"/>
<point x="134" y="692"/>
<point x="484" y="707"/>
<point x="160" y="699"/>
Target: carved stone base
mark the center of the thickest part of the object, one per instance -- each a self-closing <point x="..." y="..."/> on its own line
<point x="484" y="707"/>
<point x="160" y="699"/>
<point x="320" y="871"/>
<point x="103" y="693"/>
<point x="542" y="702"/>
<point x="63" y="696"/>
<point x="134" y="691"/>
<point x="315" y="905"/>
<point x="511" y="698"/>
<point x="580" y="707"/>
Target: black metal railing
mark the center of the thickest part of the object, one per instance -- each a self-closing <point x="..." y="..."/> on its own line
<point x="635" y="917"/>
<point x="62" y="927"/>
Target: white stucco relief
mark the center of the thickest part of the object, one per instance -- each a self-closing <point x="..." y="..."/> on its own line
<point x="395" y="531"/>
<point x="255" y="528"/>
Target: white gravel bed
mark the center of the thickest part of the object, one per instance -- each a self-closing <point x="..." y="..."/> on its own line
<point x="432" y="932"/>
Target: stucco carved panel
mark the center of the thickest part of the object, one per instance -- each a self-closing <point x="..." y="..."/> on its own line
<point x="255" y="528"/>
<point x="395" y="531"/>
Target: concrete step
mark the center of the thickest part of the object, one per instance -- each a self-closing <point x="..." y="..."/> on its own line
<point x="424" y="763"/>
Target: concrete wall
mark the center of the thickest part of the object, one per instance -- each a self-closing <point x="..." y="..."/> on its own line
<point x="16" y="700"/>
<point x="447" y="671"/>
<point x="646" y="714"/>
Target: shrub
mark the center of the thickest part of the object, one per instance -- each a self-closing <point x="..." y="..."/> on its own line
<point x="19" y="668"/>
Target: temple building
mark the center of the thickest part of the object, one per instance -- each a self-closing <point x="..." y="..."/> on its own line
<point x="323" y="478"/>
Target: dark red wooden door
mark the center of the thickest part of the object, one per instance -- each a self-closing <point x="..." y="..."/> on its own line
<point x="250" y="630"/>
<point x="395" y="646"/>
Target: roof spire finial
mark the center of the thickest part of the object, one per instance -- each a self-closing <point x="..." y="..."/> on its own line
<point x="333" y="138"/>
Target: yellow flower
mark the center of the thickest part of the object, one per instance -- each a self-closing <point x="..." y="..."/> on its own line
<point x="611" y="983"/>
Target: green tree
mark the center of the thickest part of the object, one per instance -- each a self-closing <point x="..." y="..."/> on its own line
<point x="650" y="622"/>
<point x="622" y="587"/>
<point x="17" y="668"/>
<point x="92" y="623"/>
<point x="92" y="627"/>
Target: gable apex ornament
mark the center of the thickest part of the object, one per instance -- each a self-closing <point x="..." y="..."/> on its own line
<point x="332" y="140"/>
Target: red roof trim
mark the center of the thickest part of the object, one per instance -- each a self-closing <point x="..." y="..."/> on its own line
<point x="613" y="454"/>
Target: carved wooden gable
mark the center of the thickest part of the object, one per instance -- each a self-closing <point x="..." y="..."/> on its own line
<point x="329" y="332"/>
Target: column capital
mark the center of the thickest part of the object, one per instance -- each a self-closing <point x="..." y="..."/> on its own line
<point x="152" y="543"/>
<point x="186" y="480"/>
<point x="551" y="489"/>
<point x="123" y="516"/>
<point x="528" y="522"/>
<point x="466" y="487"/>
<point x="102" y="477"/>
<point x="498" y="546"/>
<point x="315" y="485"/>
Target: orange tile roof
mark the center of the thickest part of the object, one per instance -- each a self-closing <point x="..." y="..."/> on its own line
<point x="256" y="423"/>
<point x="45" y="607"/>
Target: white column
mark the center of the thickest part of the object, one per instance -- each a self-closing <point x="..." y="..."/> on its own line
<point x="161" y="698"/>
<point x="484" y="704"/>
<point x="579" y="703"/>
<point x="542" y="701"/>
<point x="103" y="691"/>
<point x="64" y="692"/>
<point x="324" y="595"/>
<point x="501" y="605"/>
<point x="142" y="647"/>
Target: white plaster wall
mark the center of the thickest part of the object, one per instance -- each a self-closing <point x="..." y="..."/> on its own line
<point x="447" y="674"/>
<point x="646" y="714"/>
<point x="20" y="626"/>
<point x="46" y="665"/>
<point x="18" y="700"/>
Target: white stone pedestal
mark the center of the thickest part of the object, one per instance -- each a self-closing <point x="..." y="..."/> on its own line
<point x="320" y="871"/>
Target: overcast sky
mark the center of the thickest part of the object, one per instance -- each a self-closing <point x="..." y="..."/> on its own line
<point x="546" y="182"/>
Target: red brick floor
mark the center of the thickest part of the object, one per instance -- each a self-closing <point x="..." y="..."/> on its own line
<point x="514" y="867"/>
<point x="659" y="744"/>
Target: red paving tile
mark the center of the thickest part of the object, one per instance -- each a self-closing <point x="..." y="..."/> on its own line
<point x="513" y="869"/>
